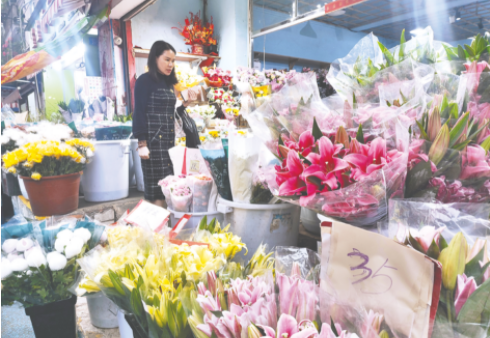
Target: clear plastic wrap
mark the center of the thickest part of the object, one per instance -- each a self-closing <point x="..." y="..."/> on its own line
<point x="457" y="237"/>
<point x="217" y="162"/>
<point x="181" y="197"/>
<point x="201" y="187"/>
<point x="243" y="155"/>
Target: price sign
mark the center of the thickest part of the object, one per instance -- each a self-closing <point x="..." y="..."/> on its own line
<point x="376" y="272"/>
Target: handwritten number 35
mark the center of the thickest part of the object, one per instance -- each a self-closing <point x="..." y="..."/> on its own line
<point x="366" y="272"/>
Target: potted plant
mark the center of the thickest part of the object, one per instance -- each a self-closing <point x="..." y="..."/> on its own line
<point x="51" y="173"/>
<point x="39" y="267"/>
<point x="196" y="33"/>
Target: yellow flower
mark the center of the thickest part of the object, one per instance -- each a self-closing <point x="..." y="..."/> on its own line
<point x="214" y="133"/>
<point x="453" y="260"/>
<point x="12" y="170"/>
<point x="202" y="138"/>
<point x="36" y="176"/>
<point x="242" y="132"/>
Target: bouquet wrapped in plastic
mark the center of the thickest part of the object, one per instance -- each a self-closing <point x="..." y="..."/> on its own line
<point x="200" y="186"/>
<point x="181" y="196"/>
<point x="217" y="162"/>
<point x="187" y="77"/>
<point x="167" y="184"/>
<point x="39" y="262"/>
<point x="449" y="155"/>
<point x="456" y="237"/>
<point x="217" y="77"/>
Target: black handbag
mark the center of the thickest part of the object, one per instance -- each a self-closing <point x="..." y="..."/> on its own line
<point x="189" y="126"/>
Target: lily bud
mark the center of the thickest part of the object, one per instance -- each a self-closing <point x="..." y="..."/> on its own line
<point x="453" y="260"/>
<point x="355" y="146"/>
<point x="434" y="124"/>
<point x="440" y="145"/>
<point x="342" y="137"/>
<point x="253" y="332"/>
<point x="283" y="151"/>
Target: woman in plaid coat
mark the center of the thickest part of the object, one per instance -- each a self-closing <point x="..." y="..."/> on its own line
<point x="154" y="118"/>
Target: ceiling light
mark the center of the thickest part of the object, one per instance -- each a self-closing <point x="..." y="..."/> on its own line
<point x="458" y="15"/>
<point x="480" y="23"/>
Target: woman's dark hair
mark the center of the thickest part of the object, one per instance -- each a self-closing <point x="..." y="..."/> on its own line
<point x="156" y="50"/>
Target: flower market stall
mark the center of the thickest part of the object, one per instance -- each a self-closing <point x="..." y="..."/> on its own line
<point x="389" y="148"/>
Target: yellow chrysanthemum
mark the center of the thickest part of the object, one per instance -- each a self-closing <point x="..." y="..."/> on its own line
<point x="36" y="176"/>
<point x="214" y="133"/>
<point x="12" y="170"/>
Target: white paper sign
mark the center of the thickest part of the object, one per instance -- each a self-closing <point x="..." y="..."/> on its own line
<point x="149" y="215"/>
<point x="365" y="268"/>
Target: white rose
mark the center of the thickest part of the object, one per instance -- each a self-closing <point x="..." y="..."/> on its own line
<point x="13" y="256"/>
<point x="24" y="244"/>
<point x="83" y="234"/>
<point x="60" y="243"/>
<point x="67" y="233"/>
<point x="36" y="258"/>
<point x="19" y="264"/>
<point x="6" y="268"/>
<point x="9" y="245"/>
<point x="56" y="261"/>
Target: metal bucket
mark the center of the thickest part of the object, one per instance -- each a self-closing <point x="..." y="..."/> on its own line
<point x="124" y="329"/>
<point x="310" y="221"/>
<point x="103" y="312"/>
<point x="271" y="224"/>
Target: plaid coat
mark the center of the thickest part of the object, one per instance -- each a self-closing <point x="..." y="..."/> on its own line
<point x="160" y="113"/>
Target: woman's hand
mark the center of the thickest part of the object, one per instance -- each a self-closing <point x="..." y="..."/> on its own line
<point x="143" y="150"/>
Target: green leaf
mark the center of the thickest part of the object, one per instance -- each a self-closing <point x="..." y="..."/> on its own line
<point x="453" y="110"/>
<point x="469" y="50"/>
<point x="360" y="134"/>
<point x="305" y="160"/>
<point x="212" y="225"/>
<point x="423" y="134"/>
<point x="413" y="242"/>
<point x="461" y="53"/>
<point x="116" y="282"/>
<point x="451" y="54"/>
<point x="417" y="178"/>
<point x="458" y="129"/>
<point x="281" y="142"/>
<point x="433" y="251"/>
<point x="317" y="133"/>
<point x="442" y="243"/>
<point x="462" y="145"/>
<point x="401" y="53"/>
<point x="203" y="223"/>
<point x="136" y="302"/>
<point x="475" y="313"/>
<point x="486" y="144"/>
<point x="354" y="101"/>
<point x="473" y="268"/>
<point x="218" y="314"/>
<point x="387" y="54"/>
<point x="444" y="104"/>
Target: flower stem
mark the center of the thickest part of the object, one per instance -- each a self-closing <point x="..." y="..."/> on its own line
<point x="449" y="305"/>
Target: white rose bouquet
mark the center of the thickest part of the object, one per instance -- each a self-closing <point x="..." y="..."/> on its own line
<point x="41" y="267"/>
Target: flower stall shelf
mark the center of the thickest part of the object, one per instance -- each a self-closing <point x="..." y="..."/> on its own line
<point x="50" y="171"/>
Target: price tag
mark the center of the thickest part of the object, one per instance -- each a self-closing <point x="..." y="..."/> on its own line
<point x="149" y="215"/>
<point x="376" y="272"/>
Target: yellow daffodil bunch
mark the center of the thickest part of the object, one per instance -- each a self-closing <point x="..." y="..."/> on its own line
<point x="47" y="158"/>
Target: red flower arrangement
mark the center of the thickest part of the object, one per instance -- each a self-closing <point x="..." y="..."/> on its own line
<point x="216" y="77"/>
<point x="195" y="32"/>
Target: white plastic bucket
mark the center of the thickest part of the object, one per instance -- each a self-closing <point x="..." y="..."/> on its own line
<point x="106" y="177"/>
<point x="310" y="221"/>
<point x="193" y="222"/>
<point x="102" y="311"/>
<point x="124" y="329"/>
<point x="138" y="171"/>
<point x="271" y="224"/>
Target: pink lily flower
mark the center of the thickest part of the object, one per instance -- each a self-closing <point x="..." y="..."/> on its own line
<point x="480" y="244"/>
<point x="324" y="166"/>
<point x="474" y="71"/>
<point x="288" y="179"/>
<point x="371" y="325"/>
<point x="201" y="288"/>
<point x="364" y="165"/>
<point x="306" y="143"/>
<point x="474" y="163"/>
<point x="208" y="302"/>
<point x="287" y="327"/>
<point x="479" y="111"/>
<point x="464" y="288"/>
<point x="426" y="235"/>
<point x="308" y="300"/>
<point x="288" y="293"/>
<point x="211" y="277"/>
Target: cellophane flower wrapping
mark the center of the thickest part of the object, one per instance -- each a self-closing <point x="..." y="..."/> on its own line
<point x="217" y="161"/>
<point x="297" y="280"/>
<point x="243" y="155"/>
<point x="262" y="175"/>
<point x="166" y="185"/>
<point x="39" y="262"/>
<point x="201" y="186"/>
<point x="457" y="236"/>
<point x="181" y="196"/>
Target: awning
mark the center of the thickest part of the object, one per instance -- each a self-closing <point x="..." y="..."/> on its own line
<point x="33" y="61"/>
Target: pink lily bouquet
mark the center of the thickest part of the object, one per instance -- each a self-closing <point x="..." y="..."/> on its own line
<point x="450" y="160"/>
<point x="348" y="177"/>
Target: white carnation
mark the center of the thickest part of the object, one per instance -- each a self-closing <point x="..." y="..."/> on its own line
<point x="56" y="261"/>
<point x="61" y="243"/>
<point x="6" y="268"/>
<point x="36" y="258"/>
<point x="24" y="244"/>
<point x="19" y="264"/>
<point x="83" y="233"/>
<point x="9" y="245"/>
<point x="67" y="233"/>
